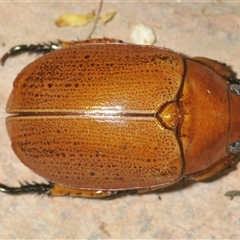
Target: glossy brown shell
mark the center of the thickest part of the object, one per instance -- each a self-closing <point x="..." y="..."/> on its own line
<point x="118" y="116"/>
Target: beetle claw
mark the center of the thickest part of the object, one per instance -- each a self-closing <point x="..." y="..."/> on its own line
<point x="5" y="57"/>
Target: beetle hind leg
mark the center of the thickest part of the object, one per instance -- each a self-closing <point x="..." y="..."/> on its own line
<point x="49" y="47"/>
<point x="59" y="190"/>
<point x="37" y="48"/>
<point x="39" y="188"/>
<point x="55" y="190"/>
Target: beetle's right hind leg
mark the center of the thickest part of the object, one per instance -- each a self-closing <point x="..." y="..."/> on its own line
<point x="39" y="188"/>
<point x="56" y="190"/>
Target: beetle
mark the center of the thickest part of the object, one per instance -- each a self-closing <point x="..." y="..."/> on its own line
<point x="101" y="117"/>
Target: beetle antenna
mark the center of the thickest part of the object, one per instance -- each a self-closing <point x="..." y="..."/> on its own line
<point x="96" y="21"/>
<point x="39" y="188"/>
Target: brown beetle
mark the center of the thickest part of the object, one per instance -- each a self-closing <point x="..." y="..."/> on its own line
<point x="101" y="117"/>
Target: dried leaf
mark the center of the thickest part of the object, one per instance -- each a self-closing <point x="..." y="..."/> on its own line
<point x="75" y="19"/>
<point x="107" y="17"/>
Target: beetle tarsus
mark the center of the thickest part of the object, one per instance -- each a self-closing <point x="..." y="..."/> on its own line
<point x="39" y="188"/>
<point x="33" y="48"/>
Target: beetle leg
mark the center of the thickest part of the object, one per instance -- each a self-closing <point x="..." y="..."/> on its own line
<point x="37" y="48"/>
<point x="39" y="188"/>
<point x="48" y="47"/>
<point x="64" y="44"/>
<point x="54" y="190"/>
<point x="58" y="190"/>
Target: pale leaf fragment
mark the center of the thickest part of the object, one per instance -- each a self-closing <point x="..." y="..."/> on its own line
<point x="75" y="20"/>
<point x="107" y="17"/>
